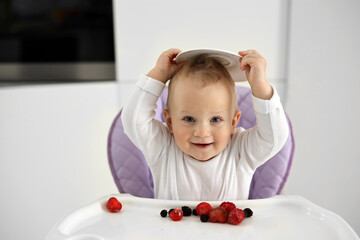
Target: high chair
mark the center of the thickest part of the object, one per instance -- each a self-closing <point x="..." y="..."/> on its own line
<point x="132" y="174"/>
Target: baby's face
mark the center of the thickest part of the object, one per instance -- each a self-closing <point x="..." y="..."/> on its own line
<point x="202" y="119"/>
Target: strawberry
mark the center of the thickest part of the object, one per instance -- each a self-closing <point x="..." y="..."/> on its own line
<point x="203" y="208"/>
<point x="228" y="206"/>
<point x="113" y="205"/>
<point x="236" y="216"/>
<point x="176" y="214"/>
<point x="218" y="214"/>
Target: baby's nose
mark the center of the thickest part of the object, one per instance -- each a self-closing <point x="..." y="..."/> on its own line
<point x="202" y="130"/>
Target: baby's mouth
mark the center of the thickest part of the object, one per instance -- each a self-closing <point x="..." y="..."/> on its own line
<point x="202" y="145"/>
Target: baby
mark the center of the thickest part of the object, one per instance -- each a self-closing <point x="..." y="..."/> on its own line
<point x="200" y="154"/>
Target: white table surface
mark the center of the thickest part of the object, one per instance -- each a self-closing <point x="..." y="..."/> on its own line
<point x="280" y="217"/>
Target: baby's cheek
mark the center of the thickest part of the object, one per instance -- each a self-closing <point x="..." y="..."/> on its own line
<point x="180" y="136"/>
<point x="223" y="138"/>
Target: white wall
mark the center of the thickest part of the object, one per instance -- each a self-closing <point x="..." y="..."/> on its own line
<point x="52" y="153"/>
<point x="323" y="99"/>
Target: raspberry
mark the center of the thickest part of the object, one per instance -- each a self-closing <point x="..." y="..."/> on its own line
<point x="228" y="206"/>
<point x="248" y="212"/>
<point x="236" y="216"/>
<point x="163" y="213"/>
<point x="218" y="214"/>
<point x="204" y="218"/>
<point x="113" y="205"/>
<point x="203" y="208"/>
<point x="186" y="210"/>
<point x="176" y="214"/>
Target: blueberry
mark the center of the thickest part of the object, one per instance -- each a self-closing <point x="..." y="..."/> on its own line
<point x="163" y="213"/>
<point x="204" y="218"/>
<point x="248" y="212"/>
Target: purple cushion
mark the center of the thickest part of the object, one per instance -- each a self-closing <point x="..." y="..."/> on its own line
<point x="132" y="174"/>
<point x="127" y="163"/>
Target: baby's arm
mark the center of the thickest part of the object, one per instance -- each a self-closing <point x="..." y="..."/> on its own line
<point x="138" y="112"/>
<point x="271" y="132"/>
<point x="254" y="66"/>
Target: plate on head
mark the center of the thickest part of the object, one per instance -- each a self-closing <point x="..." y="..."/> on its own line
<point x="228" y="59"/>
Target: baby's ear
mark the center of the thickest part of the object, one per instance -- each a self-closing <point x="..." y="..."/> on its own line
<point x="235" y="119"/>
<point x="168" y="119"/>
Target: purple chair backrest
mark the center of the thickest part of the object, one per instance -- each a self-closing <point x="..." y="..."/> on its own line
<point x="132" y="174"/>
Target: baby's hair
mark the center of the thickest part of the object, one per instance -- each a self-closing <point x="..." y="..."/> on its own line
<point x="204" y="70"/>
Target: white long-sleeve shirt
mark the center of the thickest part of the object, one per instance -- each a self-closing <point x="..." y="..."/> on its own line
<point x="177" y="175"/>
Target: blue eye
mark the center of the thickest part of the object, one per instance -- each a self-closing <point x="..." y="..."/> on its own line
<point x="189" y="119"/>
<point x="215" y="119"/>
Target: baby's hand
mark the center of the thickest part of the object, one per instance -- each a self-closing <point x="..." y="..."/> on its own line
<point x="165" y="66"/>
<point x="254" y="66"/>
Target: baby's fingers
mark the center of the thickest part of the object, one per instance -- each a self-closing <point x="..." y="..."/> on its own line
<point x="172" y="53"/>
<point x="243" y="53"/>
<point x="166" y="59"/>
<point x="251" y="59"/>
<point x="247" y="61"/>
<point x="249" y="53"/>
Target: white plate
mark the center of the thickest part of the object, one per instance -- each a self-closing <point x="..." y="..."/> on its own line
<point x="228" y="59"/>
<point x="277" y="218"/>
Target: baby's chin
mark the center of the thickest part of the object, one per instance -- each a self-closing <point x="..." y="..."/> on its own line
<point x="202" y="153"/>
<point x="202" y="159"/>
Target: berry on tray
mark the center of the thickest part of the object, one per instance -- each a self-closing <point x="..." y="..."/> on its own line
<point x="186" y="210"/>
<point x="226" y="212"/>
<point x="203" y="208"/>
<point x="163" y="213"/>
<point x="219" y="215"/>
<point x="248" y="212"/>
<point x="228" y="206"/>
<point x="176" y="214"/>
<point x="236" y="216"/>
<point x="204" y="218"/>
<point x="113" y="205"/>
